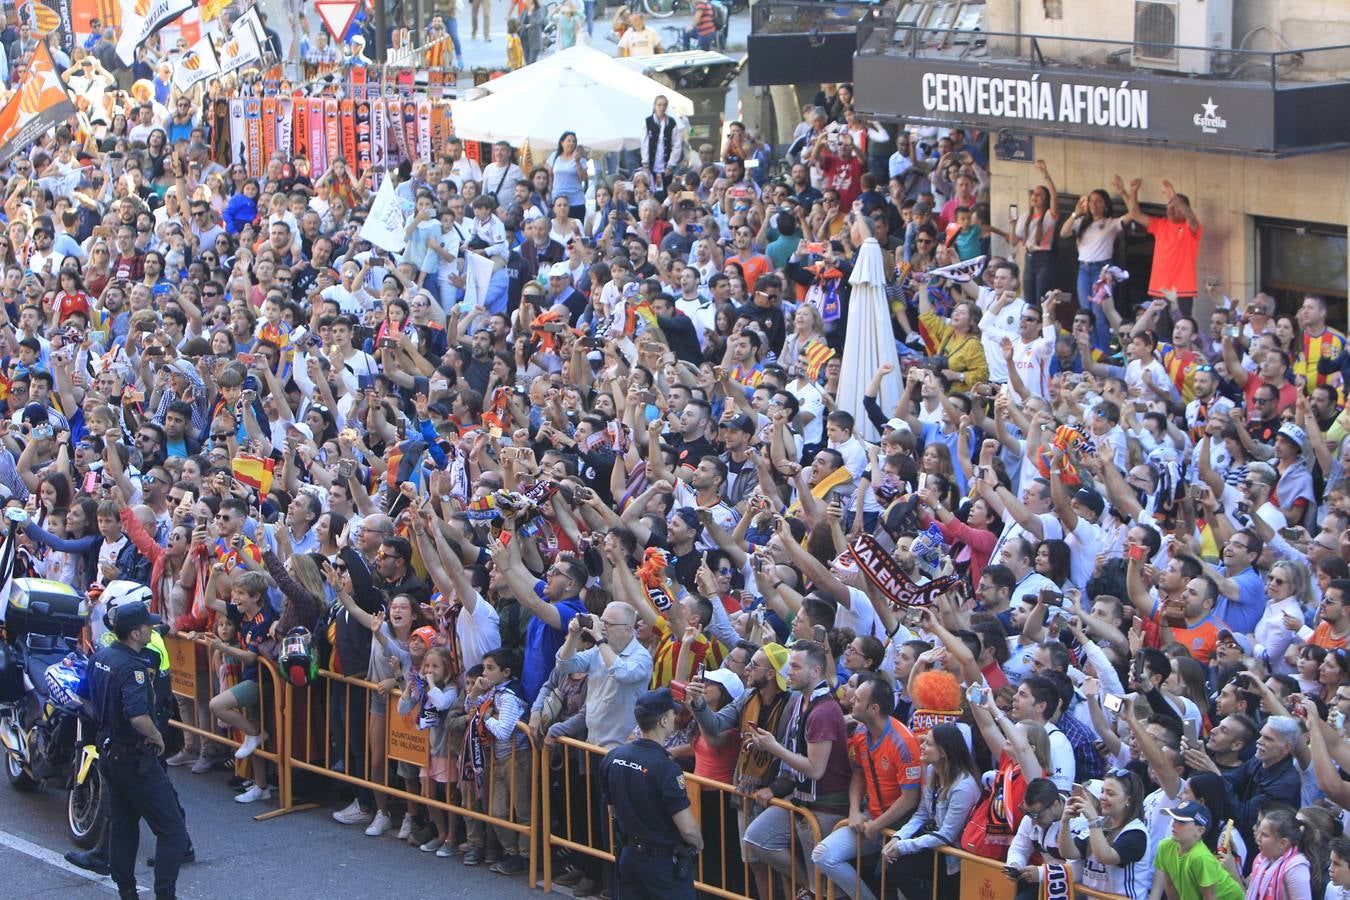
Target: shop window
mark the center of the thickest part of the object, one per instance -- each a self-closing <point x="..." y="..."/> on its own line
<point x="1298" y="258"/>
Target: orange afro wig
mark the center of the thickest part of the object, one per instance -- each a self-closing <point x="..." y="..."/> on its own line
<point x="936" y="690"/>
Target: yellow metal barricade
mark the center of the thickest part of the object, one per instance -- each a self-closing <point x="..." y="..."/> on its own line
<point x="309" y="726"/>
<point x="981" y="878"/>
<point x="585" y="837"/>
<point x="193" y="677"/>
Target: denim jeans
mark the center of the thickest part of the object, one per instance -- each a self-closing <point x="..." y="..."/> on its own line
<point x="1038" y="275"/>
<point x="452" y="26"/>
<point x="1087" y="277"/>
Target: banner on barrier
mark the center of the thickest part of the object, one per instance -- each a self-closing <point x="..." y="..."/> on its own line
<point x="404" y="742"/>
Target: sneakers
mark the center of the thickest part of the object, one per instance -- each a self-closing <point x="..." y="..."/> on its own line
<point x="181" y="758"/>
<point x="251" y="742"/>
<point x="353" y="814"/>
<point x="201" y="766"/>
<point x="252" y="794"/>
<point x="586" y="887"/>
<point x="473" y="856"/>
<point x="404" y="829"/>
<point x="511" y="865"/>
<point x="446" y="851"/>
<point x="569" y="878"/>
<point x="379" y="825"/>
<point x="432" y="846"/>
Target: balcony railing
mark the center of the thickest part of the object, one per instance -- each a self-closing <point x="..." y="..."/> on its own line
<point x="1009" y="51"/>
<point x="807" y="17"/>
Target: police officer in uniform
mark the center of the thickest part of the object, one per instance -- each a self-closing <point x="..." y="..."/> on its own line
<point x="122" y="691"/>
<point x="644" y="787"/>
<point x="156" y="656"/>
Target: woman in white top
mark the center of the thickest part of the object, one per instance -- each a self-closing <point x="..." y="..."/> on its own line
<point x="562" y="227"/>
<point x="1114" y="844"/>
<point x="1097" y="233"/>
<point x="1289" y="592"/>
<point x="1036" y="233"/>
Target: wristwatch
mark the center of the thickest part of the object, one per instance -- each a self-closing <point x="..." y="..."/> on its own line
<point x="603" y="640"/>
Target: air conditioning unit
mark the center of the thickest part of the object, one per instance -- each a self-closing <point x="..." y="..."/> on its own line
<point x="1159" y="25"/>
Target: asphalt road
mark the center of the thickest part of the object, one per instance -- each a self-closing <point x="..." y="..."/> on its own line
<point x="299" y="856"/>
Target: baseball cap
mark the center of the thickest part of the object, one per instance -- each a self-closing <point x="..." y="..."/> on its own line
<point x="1240" y="639"/>
<point x="559" y="270"/>
<point x="741" y="421"/>
<point x="302" y="428"/>
<point x="653" y="703"/>
<point x="1291" y="432"/>
<point x="133" y="615"/>
<point x="427" y="634"/>
<point x="777" y="655"/>
<point x="1091" y="499"/>
<point x="897" y="424"/>
<point x="34" y="414"/>
<point x="1191" y="811"/>
<point x="729" y="680"/>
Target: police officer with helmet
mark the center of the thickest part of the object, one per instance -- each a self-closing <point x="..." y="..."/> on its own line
<point x="122" y="691"/>
<point x="644" y="789"/>
<point x="156" y="655"/>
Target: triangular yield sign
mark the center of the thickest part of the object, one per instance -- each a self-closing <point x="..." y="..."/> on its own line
<point x="337" y="15"/>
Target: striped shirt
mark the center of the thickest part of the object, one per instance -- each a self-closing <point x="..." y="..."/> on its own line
<point x="1314" y="349"/>
<point x="501" y="717"/>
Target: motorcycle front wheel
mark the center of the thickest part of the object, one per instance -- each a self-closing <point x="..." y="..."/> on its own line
<point x="18" y="778"/>
<point x="85" y="809"/>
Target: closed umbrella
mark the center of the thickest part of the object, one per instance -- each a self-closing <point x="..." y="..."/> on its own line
<point x="870" y="341"/>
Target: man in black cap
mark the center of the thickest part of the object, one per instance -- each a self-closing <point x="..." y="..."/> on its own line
<point x="122" y="692"/>
<point x="644" y="789"/>
<point x="736" y="434"/>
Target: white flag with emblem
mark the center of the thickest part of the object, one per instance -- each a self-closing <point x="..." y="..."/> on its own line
<point x="384" y="226"/>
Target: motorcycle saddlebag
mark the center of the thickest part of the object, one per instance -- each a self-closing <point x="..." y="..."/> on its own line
<point x="40" y="606"/>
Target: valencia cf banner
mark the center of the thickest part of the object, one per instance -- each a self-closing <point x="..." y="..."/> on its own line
<point x="196" y="65"/>
<point x="141" y="19"/>
<point x="241" y="48"/>
<point x="42" y="18"/>
<point x="39" y="105"/>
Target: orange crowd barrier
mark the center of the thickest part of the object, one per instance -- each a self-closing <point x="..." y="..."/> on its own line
<point x="299" y="724"/>
<point x="582" y="833"/>
<point x="310" y="724"/>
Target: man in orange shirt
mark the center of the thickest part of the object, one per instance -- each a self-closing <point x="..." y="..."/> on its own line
<point x="1201" y="634"/>
<point x="1177" y="242"/>
<point x="1334" y="628"/>
<point x="884" y="755"/>
<point x="752" y="264"/>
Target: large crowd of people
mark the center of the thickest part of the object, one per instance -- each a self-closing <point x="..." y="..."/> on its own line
<point x="624" y="465"/>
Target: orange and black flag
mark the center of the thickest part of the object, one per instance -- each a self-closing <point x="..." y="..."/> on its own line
<point x="38" y="106"/>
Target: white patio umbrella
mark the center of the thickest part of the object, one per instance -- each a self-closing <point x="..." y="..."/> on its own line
<point x="869" y="342"/>
<point x="605" y="113"/>
<point x="581" y="58"/>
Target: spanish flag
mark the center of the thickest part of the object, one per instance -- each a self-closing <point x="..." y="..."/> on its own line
<point x="254" y="471"/>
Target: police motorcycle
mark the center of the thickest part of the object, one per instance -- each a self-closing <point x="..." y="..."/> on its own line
<point x="45" y="721"/>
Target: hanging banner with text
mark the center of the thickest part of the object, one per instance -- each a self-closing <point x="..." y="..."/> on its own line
<point x="1141" y="107"/>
